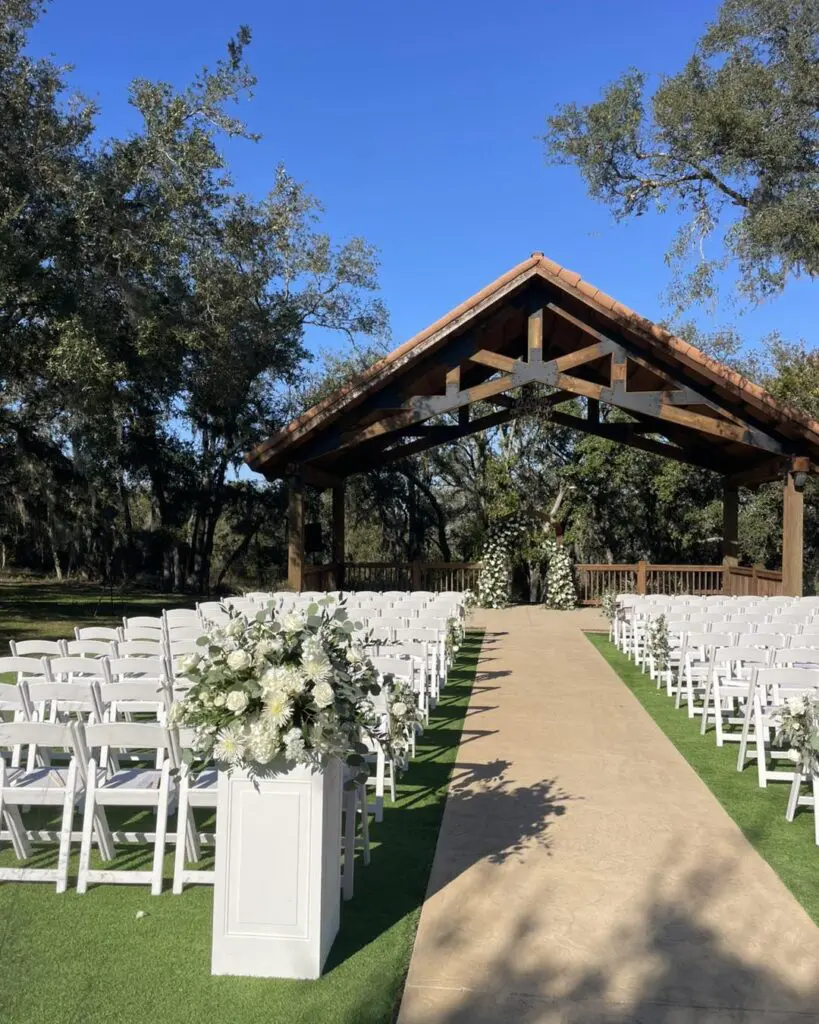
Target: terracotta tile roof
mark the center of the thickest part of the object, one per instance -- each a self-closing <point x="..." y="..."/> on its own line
<point x="346" y="397"/>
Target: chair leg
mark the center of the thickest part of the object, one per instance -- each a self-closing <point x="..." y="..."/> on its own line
<point x="746" y="728"/>
<point x="65" y="827"/>
<point x="761" y="755"/>
<point x="182" y="832"/>
<point x="87" y="828"/>
<point x="380" y="769"/>
<point x="361" y="799"/>
<point x="815" y="787"/>
<point x="161" y="829"/>
<point x="706" y="701"/>
<point x="793" y="796"/>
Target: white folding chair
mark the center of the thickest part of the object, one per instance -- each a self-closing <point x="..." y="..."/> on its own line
<point x="773" y="687"/>
<point x="694" y="665"/>
<point x="131" y="787"/>
<point x="39" y="787"/>
<point x="176" y="617"/>
<point x="730" y="681"/>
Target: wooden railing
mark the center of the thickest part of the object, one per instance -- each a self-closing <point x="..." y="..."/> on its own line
<point x="592" y="580"/>
<point x="435" y="576"/>
<point x="741" y="581"/>
<point x="642" y="578"/>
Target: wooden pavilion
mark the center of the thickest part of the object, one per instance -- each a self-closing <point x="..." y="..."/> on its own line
<point x="541" y="323"/>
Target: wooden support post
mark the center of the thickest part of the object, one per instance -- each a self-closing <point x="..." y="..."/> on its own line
<point x="416" y="574"/>
<point x="792" y="535"/>
<point x="338" y="535"/>
<point x="593" y="411"/>
<point x="295" y="534"/>
<point x="642" y="576"/>
<point x="730" y="524"/>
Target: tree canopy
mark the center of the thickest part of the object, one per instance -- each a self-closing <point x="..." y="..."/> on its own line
<point x="731" y="141"/>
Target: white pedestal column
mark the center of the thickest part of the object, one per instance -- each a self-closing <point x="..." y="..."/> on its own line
<point x="276" y="900"/>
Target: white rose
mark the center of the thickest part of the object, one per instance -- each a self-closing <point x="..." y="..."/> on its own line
<point x="219" y="700"/>
<point x="323" y="694"/>
<point x="355" y="655"/>
<point x="235" y="627"/>
<point x="238" y="661"/>
<point x="189" y="663"/>
<point x="399" y="709"/>
<point x="293" y="622"/>
<point x="236" y="701"/>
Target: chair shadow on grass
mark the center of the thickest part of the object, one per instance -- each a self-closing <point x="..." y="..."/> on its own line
<point x="507" y="819"/>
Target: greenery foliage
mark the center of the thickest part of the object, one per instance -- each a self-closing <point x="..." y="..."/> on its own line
<point x="731" y="140"/>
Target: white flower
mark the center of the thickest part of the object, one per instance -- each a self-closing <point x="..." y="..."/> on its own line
<point x="399" y="709"/>
<point x="238" y="661"/>
<point x="263" y="741"/>
<point x="266" y="648"/>
<point x="293" y="622"/>
<point x="323" y="694"/>
<point x="236" y="701"/>
<point x="236" y="627"/>
<point x="355" y="655"/>
<point x="177" y="712"/>
<point x="283" y="679"/>
<point x="293" y="745"/>
<point x="318" y="667"/>
<point x="231" y="744"/>
<point x="219" y="700"/>
<point x="277" y="710"/>
<point x="189" y="663"/>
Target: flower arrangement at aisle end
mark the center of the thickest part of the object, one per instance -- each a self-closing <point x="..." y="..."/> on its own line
<point x="454" y="638"/>
<point x="798" y="728"/>
<point x="405" y="719"/>
<point x="297" y="688"/>
<point x="495" y="576"/>
<point x="658" y="645"/>
<point x="560" y="588"/>
<point x="608" y="604"/>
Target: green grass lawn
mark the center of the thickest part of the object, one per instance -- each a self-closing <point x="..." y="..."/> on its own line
<point x="47" y="610"/>
<point x="760" y="813"/>
<point x="88" y="959"/>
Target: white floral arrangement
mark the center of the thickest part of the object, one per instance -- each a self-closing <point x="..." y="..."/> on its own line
<point x="658" y="644"/>
<point x="608" y="604"/>
<point x="798" y="728"/>
<point x="560" y="588"/>
<point x="405" y="719"/>
<point x="495" y="576"/>
<point x="454" y="638"/>
<point x="296" y="688"/>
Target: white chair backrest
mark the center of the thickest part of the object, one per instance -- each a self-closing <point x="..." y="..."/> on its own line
<point x="776" y="641"/>
<point x="134" y="668"/>
<point x="143" y="633"/>
<point x="97" y="633"/>
<point x="128" y="736"/>
<point x="388" y="622"/>
<point x="142" y="622"/>
<point x="25" y="667"/>
<point x="139" y="649"/>
<point x="797" y="656"/>
<point x="15" y="697"/>
<point x="179" y="648"/>
<point x="69" y="668"/>
<point x="401" y="668"/>
<point x="90" y="648"/>
<point x="153" y="691"/>
<point x="185" y="632"/>
<point x="419" y="633"/>
<point x="57" y="735"/>
<point x="181" y="617"/>
<point x="36" y="648"/>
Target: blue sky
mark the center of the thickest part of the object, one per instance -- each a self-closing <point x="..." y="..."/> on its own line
<point x="417" y="126"/>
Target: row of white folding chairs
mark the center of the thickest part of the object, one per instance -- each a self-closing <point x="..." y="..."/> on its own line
<point x="742" y="685"/>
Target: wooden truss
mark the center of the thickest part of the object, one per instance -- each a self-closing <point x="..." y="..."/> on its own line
<point x="677" y="412"/>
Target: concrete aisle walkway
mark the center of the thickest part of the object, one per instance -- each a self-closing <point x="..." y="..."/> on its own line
<point x="584" y="874"/>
